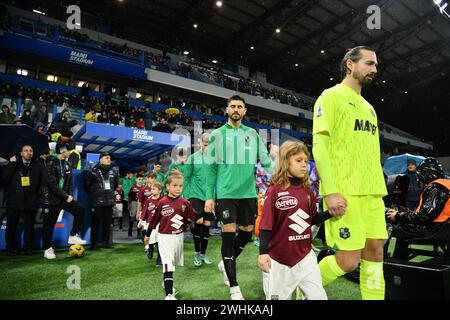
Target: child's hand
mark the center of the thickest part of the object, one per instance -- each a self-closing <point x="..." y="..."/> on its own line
<point x="264" y="262"/>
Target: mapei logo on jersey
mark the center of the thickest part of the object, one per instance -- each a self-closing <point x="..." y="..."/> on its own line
<point x="286" y="203"/>
<point x="177" y="221"/>
<point x="300" y="225"/>
<point x="167" y="210"/>
<point x="361" y="125"/>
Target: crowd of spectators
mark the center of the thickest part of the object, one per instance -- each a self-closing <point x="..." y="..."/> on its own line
<point x="233" y="82"/>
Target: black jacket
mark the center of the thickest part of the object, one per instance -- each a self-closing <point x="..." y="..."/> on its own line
<point x="434" y="198"/>
<point x="95" y="186"/>
<point x="57" y="170"/>
<point x="23" y="198"/>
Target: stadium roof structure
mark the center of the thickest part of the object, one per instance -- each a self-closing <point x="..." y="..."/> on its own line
<point x="127" y="143"/>
<point x="412" y="40"/>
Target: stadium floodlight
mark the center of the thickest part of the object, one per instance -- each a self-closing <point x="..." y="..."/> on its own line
<point x="442" y="7"/>
<point x="186" y="53"/>
<point x="296" y="64"/>
<point x="219" y="3"/>
<point x="39" y="12"/>
<point x="214" y="61"/>
<point x="278" y="30"/>
<point x="384" y="81"/>
<point x="195" y="26"/>
<point x="252" y="48"/>
<point x="322" y="51"/>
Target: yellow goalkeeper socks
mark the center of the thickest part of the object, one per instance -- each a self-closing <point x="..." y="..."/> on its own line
<point x="372" y="280"/>
<point x="330" y="270"/>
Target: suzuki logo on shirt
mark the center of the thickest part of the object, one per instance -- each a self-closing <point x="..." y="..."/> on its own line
<point x="300" y="225"/>
<point x="177" y="221"/>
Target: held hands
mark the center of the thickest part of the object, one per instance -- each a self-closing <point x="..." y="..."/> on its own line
<point x="12" y="159"/>
<point x="209" y="205"/>
<point x="336" y="204"/>
<point x="69" y="199"/>
<point x="264" y="262"/>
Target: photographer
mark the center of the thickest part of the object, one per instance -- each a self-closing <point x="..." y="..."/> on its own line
<point x="433" y="210"/>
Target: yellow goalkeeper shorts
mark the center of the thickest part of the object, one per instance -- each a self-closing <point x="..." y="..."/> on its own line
<point x="364" y="219"/>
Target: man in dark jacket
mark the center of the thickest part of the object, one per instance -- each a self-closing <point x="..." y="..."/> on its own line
<point x="60" y="197"/>
<point x="23" y="178"/>
<point x="413" y="193"/>
<point x="101" y="181"/>
<point x="431" y="214"/>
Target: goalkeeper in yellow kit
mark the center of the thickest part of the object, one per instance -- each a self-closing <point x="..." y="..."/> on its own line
<point x="346" y="149"/>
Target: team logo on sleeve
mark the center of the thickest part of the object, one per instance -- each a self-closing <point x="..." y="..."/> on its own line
<point x="319" y="111"/>
<point x="344" y="233"/>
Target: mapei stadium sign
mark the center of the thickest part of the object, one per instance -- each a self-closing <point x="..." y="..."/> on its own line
<point x="142" y="135"/>
<point x="80" y="58"/>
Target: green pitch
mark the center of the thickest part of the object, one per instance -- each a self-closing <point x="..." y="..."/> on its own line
<point x="125" y="273"/>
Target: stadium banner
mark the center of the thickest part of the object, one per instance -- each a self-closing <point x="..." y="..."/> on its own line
<point x="64" y="223"/>
<point x="119" y="132"/>
<point x="71" y="54"/>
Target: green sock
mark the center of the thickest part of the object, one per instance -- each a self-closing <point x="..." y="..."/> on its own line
<point x="372" y="280"/>
<point x="330" y="270"/>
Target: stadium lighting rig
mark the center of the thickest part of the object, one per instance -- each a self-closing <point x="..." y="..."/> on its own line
<point x="443" y="7"/>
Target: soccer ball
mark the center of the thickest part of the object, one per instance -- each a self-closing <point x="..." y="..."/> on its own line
<point x="76" y="250"/>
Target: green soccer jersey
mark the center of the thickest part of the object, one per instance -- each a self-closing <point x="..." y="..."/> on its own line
<point x="160" y="177"/>
<point x="232" y="155"/>
<point x="196" y="175"/>
<point x="354" y="143"/>
<point x="127" y="183"/>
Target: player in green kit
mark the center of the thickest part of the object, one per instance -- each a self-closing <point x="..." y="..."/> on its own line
<point x="346" y="147"/>
<point x="233" y="151"/>
<point x="195" y="177"/>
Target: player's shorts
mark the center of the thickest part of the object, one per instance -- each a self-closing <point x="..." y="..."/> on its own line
<point x="171" y="250"/>
<point x="282" y="280"/>
<point x="117" y="210"/>
<point x="363" y="219"/>
<point x="240" y="211"/>
<point x="154" y="235"/>
<point x="133" y="208"/>
<point x="199" y="206"/>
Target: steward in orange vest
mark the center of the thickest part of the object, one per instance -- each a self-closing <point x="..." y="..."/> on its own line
<point x="430" y="215"/>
